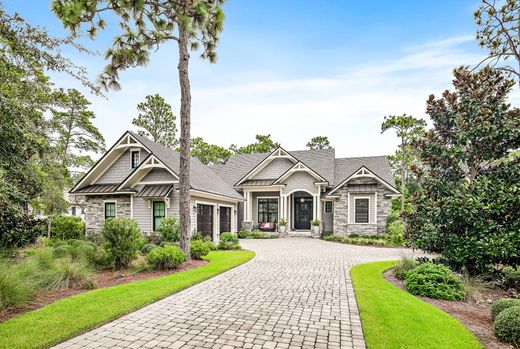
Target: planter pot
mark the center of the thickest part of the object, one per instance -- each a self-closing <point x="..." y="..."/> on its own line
<point x="315" y="230"/>
<point x="282" y="229"/>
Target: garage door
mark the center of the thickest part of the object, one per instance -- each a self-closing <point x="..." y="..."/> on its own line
<point x="225" y="219"/>
<point x="205" y="220"/>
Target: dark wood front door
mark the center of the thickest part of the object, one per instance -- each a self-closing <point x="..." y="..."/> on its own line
<point x="302" y="213"/>
<point x="225" y="219"/>
<point x="205" y="220"/>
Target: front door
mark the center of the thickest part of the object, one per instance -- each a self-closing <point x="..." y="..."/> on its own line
<point x="302" y="213"/>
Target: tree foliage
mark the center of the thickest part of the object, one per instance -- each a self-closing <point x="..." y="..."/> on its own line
<point x="209" y="154"/>
<point x="407" y="128"/>
<point x="467" y="204"/>
<point x="74" y="132"/>
<point x="156" y="121"/>
<point x="499" y="32"/>
<point x="319" y="142"/>
<point x="263" y="144"/>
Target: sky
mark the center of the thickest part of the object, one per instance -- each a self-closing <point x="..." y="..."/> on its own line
<point x="294" y="69"/>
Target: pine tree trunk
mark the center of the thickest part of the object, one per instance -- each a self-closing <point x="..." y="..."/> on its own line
<point x="403" y="172"/>
<point x="184" y="169"/>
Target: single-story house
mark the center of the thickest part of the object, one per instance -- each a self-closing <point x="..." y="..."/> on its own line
<point x="138" y="178"/>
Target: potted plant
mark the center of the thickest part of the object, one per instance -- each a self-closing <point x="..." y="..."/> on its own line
<point x="315" y="227"/>
<point x="283" y="226"/>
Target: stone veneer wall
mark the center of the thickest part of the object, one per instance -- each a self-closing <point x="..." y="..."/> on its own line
<point x="95" y="210"/>
<point x="341" y="225"/>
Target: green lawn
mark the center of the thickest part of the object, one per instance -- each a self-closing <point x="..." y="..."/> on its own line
<point x="393" y="318"/>
<point x="71" y="316"/>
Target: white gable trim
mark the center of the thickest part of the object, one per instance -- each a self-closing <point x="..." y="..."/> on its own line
<point x="299" y="167"/>
<point x="364" y="172"/>
<point x="278" y="153"/>
<point x="126" y="141"/>
<point x="143" y="169"/>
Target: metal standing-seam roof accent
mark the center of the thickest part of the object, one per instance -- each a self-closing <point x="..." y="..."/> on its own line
<point x="362" y="188"/>
<point x="155" y="191"/>
<point x="101" y="188"/>
<point x="257" y="182"/>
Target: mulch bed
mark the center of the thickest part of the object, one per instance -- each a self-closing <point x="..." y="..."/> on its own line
<point x="476" y="316"/>
<point x="105" y="278"/>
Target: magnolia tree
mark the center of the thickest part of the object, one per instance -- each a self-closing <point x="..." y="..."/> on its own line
<point x="467" y="203"/>
<point x="146" y="25"/>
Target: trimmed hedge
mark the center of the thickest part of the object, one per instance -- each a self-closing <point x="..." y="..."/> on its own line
<point x="198" y="249"/>
<point x="67" y="227"/>
<point x="167" y="257"/>
<point x="502" y="304"/>
<point x="507" y="324"/>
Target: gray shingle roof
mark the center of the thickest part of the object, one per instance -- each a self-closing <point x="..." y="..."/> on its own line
<point x="201" y="176"/>
<point x="321" y="161"/>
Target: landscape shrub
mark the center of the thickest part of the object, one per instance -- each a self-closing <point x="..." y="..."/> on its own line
<point x="211" y="245"/>
<point x="18" y="229"/>
<point x="197" y="236"/>
<point x="121" y="236"/>
<point x="169" y="229"/>
<point x="198" y="249"/>
<point x="353" y="236"/>
<point x="147" y="248"/>
<point x="154" y="237"/>
<point x="167" y="257"/>
<point x="374" y="240"/>
<point x="404" y="266"/>
<point x="395" y="232"/>
<point x="14" y="290"/>
<point x="501" y="304"/>
<point x="67" y="227"/>
<point x="434" y="281"/>
<point x="507" y="325"/>
<point x="511" y="278"/>
<point x="395" y="215"/>
<point x="76" y="250"/>
<point x="228" y="241"/>
<point x="244" y="233"/>
<point x="94" y="236"/>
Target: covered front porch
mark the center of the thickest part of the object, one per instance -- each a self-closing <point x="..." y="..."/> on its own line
<point x="298" y="208"/>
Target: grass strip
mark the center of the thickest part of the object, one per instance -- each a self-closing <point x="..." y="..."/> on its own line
<point x="393" y="318"/>
<point x="72" y="316"/>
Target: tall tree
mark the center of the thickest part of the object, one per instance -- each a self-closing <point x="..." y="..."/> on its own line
<point x="263" y="144"/>
<point x="73" y="129"/>
<point x="499" y="32"/>
<point x="209" y="154"/>
<point x="319" y="142"/>
<point x="146" y="25"/>
<point x="407" y="128"/>
<point x="157" y="121"/>
<point x="467" y="204"/>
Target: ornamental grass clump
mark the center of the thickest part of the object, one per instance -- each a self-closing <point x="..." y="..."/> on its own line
<point x="434" y="281"/>
<point x="403" y="267"/>
<point x="14" y="289"/>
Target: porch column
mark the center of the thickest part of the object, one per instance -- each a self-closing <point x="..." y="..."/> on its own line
<point x="320" y="210"/>
<point x="249" y="206"/>
<point x="314" y="207"/>
<point x="289" y="216"/>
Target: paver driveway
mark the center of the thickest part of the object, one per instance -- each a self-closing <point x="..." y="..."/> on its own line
<point x="296" y="293"/>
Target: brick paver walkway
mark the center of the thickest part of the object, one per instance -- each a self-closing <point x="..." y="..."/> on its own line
<point x="296" y="293"/>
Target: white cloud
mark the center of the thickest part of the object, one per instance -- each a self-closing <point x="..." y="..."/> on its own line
<point x="348" y="108"/>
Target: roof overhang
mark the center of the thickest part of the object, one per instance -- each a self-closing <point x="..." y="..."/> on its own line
<point x="214" y="196"/>
<point x="364" y="172"/>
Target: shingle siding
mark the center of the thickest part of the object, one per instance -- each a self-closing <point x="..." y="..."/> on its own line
<point x="300" y="180"/>
<point x="158" y="174"/>
<point x="120" y="169"/>
<point x="274" y="169"/>
<point x="327" y="218"/>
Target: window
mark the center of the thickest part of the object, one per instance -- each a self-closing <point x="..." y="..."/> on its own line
<point x="110" y="210"/>
<point x="159" y="210"/>
<point x="73" y="210"/>
<point x="267" y="210"/>
<point x="361" y="214"/>
<point x="205" y="219"/>
<point x="135" y="158"/>
<point x="328" y="206"/>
